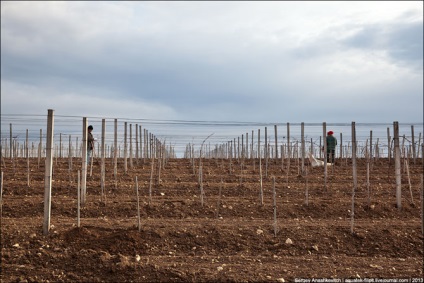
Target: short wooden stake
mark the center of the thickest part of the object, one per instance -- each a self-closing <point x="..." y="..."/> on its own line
<point x="151" y="181"/>
<point x="138" y="205"/>
<point x="78" y="198"/>
<point x="274" y="206"/>
<point x="409" y="179"/>
<point x="218" y="204"/>
<point x="1" y="195"/>
<point x="306" y="187"/>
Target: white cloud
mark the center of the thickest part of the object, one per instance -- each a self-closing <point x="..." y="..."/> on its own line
<point x="18" y="98"/>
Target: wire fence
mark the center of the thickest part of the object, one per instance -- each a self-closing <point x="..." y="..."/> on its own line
<point x="25" y="134"/>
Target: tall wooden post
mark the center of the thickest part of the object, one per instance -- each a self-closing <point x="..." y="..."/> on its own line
<point x="389" y="147"/>
<point x="302" y="135"/>
<point x="125" y="149"/>
<point x="354" y="175"/>
<point x="370" y="152"/>
<point x="276" y="144"/>
<point x="266" y="152"/>
<point x="40" y="147"/>
<point x="11" y="143"/>
<point x="247" y="146"/>
<point x="27" y="156"/>
<point x="141" y="143"/>
<point x="413" y="143"/>
<point x="84" y="160"/>
<point x="102" y="173"/>
<point x="48" y="172"/>
<point x="251" y="147"/>
<point x="115" y="153"/>
<point x="397" y="165"/>
<point x="131" y="148"/>
<point x="261" y="194"/>
<point x="136" y="144"/>
<point x="288" y="150"/>
<point x="324" y="135"/>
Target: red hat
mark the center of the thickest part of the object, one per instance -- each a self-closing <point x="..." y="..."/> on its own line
<point x="330" y="133"/>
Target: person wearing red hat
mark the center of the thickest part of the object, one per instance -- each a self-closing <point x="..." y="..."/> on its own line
<point x="331" y="146"/>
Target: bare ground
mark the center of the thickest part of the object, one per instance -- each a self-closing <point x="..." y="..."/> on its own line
<point x="231" y="238"/>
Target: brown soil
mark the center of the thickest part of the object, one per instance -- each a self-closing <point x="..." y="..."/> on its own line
<point x="229" y="239"/>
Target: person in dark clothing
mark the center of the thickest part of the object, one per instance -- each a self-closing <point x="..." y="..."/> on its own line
<point x="90" y="143"/>
<point x="331" y="147"/>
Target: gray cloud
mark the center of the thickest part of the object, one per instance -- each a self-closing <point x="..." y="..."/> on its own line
<point x="188" y="60"/>
<point x="403" y="41"/>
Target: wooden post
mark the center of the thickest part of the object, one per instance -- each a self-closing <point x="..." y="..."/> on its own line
<point x="251" y="150"/>
<point x="274" y="198"/>
<point x="312" y="147"/>
<point x="146" y="136"/>
<point x="201" y="182"/>
<point x="48" y="172"/>
<point x="60" y="145"/>
<point x="70" y="154"/>
<point x="136" y="144"/>
<point x="125" y="149"/>
<point x="422" y="203"/>
<point x="40" y="147"/>
<point x="397" y="165"/>
<point x="141" y="143"/>
<point x="306" y="187"/>
<point x="266" y="152"/>
<point x="276" y="144"/>
<point x="115" y="153"/>
<point x="151" y="180"/>
<point x="131" y="149"/>
<point x="238" y="148"/>
<point x="247" y="146"/>
<point x="261" y="193"/>
<point x="368" y="158"/>
<point x="78" y="198"/>
<point x="259" y="143"/>
<point x="84" y="160"/>
<point x="218" y="204"/>
<point x="302" y="136"/>
<point x="1" y="194"/>
<point x="409" y="179"/>
<point x="27" y="157"/>
<point x="138" y="205"/>
<point x="103" y="173"/>
<point x="288" y="154"/>
<point x="11" y="143"/>
<point x="413" y="143"/>
<point x="354" y="176"/>
<point x="324" y="134"/>
<point x="370" y="151"/>
<point x="389" y="150"/>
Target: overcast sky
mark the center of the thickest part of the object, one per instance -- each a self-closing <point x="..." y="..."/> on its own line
<point x="259" y="61"/>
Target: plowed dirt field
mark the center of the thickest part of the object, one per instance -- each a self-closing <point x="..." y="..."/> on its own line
<point x="230" y="238"/>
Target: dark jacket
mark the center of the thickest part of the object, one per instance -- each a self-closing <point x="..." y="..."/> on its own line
<point x="331" y="142"/>
<point x="90" y="141"/>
